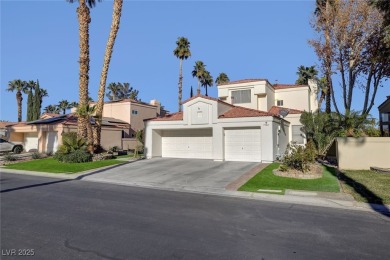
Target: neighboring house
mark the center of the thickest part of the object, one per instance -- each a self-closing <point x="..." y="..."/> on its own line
<point x="45" y="135"/>
<point x="3" y="129"/>
<point x="134" y="113"/>
<point x="384" y="117"/>
<point x="252" y="120"/>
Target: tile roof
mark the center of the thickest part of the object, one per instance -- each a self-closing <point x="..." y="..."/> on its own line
<point x="207" y="97"/>
<point x="237" y="112"/>
<point x="170" y="117"/>
<point x="4" y="124"/>
<point x="275" y="110"/>
<point x="242" y="81"/>
<point x="126" y="100"/>
<point x="284" y="86"/>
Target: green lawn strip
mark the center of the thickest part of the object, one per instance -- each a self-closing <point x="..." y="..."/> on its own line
<point x="366" y="186"/>
<point x="54" y="166"/>
<point x="268" y="181"/>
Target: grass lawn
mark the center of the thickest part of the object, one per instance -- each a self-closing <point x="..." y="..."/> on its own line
<point x="267" y="180"/>
<point x="54" y="166"/>
<point x="366" y="186"/>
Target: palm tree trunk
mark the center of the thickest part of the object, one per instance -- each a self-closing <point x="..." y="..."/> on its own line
<point x="116" y="16"/>
<point x="180" y="83"/>
<point x="328" y="64"/>
<point x="198" y="90"/>
<point x="84" y="20"/>
<point x="90" y="136"/>
<point x="19" y="100"/>
<point x="206" y="91"/>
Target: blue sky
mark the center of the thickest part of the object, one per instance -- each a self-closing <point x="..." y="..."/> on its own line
<point x="245" y="39"/>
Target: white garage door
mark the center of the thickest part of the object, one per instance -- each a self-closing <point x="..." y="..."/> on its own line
<point x="243" y="145"/>
<point x="31" y="142"/>
<point x="51" y="142"/>
<point x="195" y="144"/>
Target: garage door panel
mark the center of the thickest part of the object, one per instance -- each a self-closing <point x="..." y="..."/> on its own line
<point x="30" y="142"/>
<point x="243" y="145"/>
<point x="187" y="144"/>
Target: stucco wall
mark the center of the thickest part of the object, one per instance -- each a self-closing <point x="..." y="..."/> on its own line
<point x="297" y="98"/>
<point x="129" y="143"/>
<point x="118" y="110"/>
<point x="144" y="112"/>
<point x="111" y="138"/>
<point x="362" y="153"/>
<point x="294" y="119"/>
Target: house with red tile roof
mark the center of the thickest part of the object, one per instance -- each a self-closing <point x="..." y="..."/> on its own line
<point x="45" y="135"/>
<point x="251" y="120"/>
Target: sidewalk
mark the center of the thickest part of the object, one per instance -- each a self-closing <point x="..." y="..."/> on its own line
<point x="309" y="198"/>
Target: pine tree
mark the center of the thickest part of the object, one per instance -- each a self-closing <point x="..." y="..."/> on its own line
<point x="37" y="102"/>
<point x="30" y="105"/>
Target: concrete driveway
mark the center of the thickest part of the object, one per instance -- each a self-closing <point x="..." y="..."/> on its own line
<point x="175" y="174"/>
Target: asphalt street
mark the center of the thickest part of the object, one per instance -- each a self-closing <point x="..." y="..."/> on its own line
<point x="71" y="219"/>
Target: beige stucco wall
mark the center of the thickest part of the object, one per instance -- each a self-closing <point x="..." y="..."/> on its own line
<point x="297" y="98"/>
<point x="362" y="153"/>
<point x="118" y="110"/>
<point x="129" y="143"/>
<point x="111" y="137"/>
<point x="144" y="112"/>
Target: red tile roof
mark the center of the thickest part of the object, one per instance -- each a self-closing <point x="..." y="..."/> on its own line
<point x="242" y="81"/>
<point x="284" y="86"/>
<point x="4" y="124"/>
<point x="276" y="110"/>
<point x="236" y="112"/>
<point x="170" y="117"/>
<point x="209" y="98"/>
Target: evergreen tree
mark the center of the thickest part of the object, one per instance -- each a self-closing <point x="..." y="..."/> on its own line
<point x="37" y="102"/>
<point x="30" y="105"/>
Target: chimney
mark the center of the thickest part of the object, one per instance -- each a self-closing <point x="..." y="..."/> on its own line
<point x="156" y="103"/>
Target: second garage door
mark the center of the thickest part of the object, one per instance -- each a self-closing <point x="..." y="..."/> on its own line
<point x="194" y="143"/>
<point x="243" y="145"/>
<point x="31" y="142"/>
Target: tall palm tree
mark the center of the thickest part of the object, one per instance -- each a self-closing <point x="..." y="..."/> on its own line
<point x="321" y="7"/>
<point x="198" y="71"/>
<point x="113" y="91"/>
<point x="19" y="86"/>
<point x="64" y="105"/>
<point x="306" y="73"/>
<point x="73" y="104"/>
<point x="181" y="52"/>
<point x="89" y="112"/>
<point x="116" y="17"/>
<point x="207" y="80"/>
<point x="84" y="18"/>
<point x="52" y="109"/>
<point x="222" y="78"/>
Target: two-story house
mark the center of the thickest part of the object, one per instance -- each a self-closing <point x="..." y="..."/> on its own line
<point x="252" y="120"/>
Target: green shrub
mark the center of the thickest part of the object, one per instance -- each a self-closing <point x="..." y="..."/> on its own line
<point x="298" y="157"/>
<point x="71" y="142"/>
<point x="9" y="157"/>
<point x="36" y="155"/>
<point x="73" y="149"/>
<point x="77" y="156"/>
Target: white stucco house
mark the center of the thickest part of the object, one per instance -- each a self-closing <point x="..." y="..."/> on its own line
<point x="251" y="120"/>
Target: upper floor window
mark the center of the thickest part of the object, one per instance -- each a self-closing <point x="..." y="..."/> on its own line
<point x="241" y="96"/>
<point x="134" y="112"/>
<point x="279" y="103"/>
